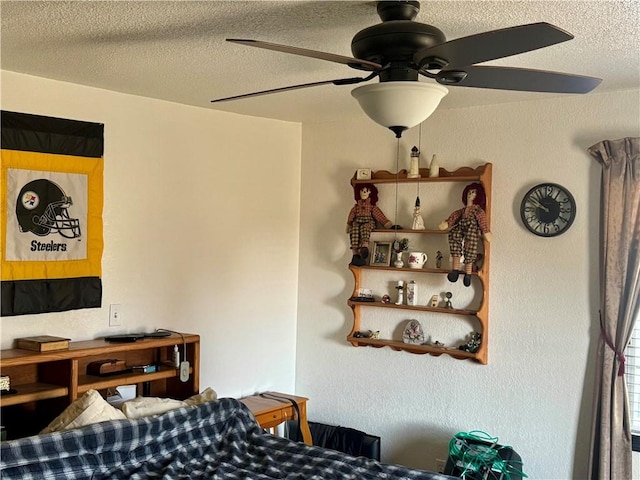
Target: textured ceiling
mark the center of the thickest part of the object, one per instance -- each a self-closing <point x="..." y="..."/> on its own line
<point x="176" y="50"/>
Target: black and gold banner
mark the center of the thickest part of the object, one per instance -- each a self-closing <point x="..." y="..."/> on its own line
<point x="51" y="197"/>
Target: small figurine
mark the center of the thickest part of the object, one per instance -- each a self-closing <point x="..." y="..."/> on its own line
<point x="414" y="169"/>
<point x="400" y="288"/>
<point x="418" y="222"/>
<point x="473" y="343"/>
<point x="466" y="225"/>
<point x="438" y="344"/>
<point x="386" y="299"/>
<point x="434" y="301"/>
<point x="438" y="259"/>
<point x="367" y="334"/>
<point x="434" y="167"/>
<point x="447" y="303"/>
<point x="362" y="220"/>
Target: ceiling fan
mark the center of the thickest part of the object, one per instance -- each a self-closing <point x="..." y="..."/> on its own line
<point x="399" y="50"/>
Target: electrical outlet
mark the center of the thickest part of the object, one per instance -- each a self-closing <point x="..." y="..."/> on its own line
<point x="440" y="465"/>
<point x="114" y="315"/>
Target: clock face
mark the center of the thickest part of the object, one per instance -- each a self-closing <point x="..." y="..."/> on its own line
<point x="548" y="210"/>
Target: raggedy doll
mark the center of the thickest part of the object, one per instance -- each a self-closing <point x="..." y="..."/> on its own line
<point x="362" y="220"/>
<point x="466" y="226"/>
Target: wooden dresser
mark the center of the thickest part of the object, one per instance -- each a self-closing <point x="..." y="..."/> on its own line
<point x="46" y="383"/>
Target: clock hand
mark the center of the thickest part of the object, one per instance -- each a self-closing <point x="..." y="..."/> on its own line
<point x="539" y="205"/>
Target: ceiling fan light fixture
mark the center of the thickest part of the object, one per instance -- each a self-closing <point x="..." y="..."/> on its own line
<point x="399" y="105"/>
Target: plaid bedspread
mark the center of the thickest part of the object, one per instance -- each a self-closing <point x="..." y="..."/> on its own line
<point x="216" y="440"/>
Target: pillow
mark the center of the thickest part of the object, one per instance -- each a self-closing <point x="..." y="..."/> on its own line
<point x="88" y="409"/>
<point x="207" y="395"/>
<point x="144" y="406"/>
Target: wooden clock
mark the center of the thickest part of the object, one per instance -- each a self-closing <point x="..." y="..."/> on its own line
<point x="548" y="210"/>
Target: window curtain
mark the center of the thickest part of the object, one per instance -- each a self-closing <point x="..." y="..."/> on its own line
<point x="610" y="455"/>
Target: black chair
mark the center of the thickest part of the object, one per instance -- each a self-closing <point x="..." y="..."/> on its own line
<point x="343" y="439"/>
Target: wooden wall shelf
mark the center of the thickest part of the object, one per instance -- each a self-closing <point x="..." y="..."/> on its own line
<point x="418" y="308"/>
<point x="463" y="174"/>
<point x="481" y="174"/>
<point x="406" y="347"/>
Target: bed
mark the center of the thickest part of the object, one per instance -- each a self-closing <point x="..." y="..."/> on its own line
<point x="218" y="439"/>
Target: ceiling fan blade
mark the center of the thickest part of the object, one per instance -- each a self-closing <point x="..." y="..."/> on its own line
<point x="339" y="81"/>
<point x="521" y="79"/>
<point x="330" y="57"/>
<point x="491" y="45"/>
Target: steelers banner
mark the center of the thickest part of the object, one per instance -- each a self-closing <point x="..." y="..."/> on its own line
<point x="51" y="214"/>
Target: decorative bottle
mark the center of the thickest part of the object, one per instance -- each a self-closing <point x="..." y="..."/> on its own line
<point x="412" y="293"/>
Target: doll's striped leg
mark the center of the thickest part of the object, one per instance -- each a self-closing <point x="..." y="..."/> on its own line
<point x="470" y="251"/>
<point x="456" y="238"/>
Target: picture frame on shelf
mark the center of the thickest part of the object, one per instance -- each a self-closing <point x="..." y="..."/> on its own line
<point x="363" y="174"/>
<point x="381" y="256"/>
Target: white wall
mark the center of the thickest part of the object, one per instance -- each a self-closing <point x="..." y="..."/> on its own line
<point x="201" y="229"/>
<point x="535" y="393"/>
<point x="175" y="260"/>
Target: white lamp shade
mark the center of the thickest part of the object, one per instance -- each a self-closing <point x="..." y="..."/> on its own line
<point x="399" y="104"/>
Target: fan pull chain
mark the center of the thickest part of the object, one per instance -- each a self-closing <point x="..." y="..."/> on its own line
<point x="395" y="220"/>
<point x="419" y="154"/>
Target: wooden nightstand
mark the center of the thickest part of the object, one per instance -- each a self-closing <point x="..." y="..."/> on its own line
<point x="270" y="411"/>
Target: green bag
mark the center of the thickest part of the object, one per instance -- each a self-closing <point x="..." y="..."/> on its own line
<point x="476" y="455"/>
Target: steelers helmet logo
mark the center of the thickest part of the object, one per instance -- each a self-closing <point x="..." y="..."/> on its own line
<point x="30" y="200"/>
<point x="42" y="209"/>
